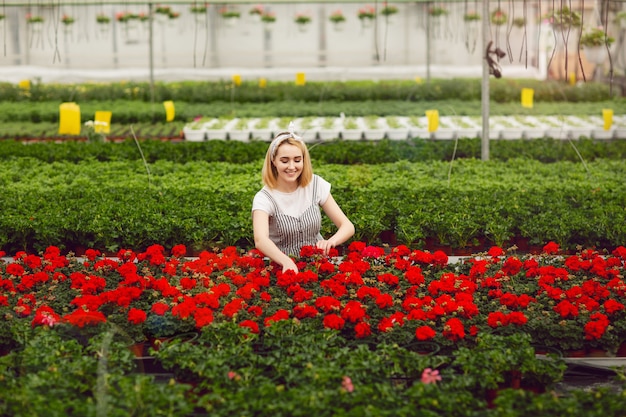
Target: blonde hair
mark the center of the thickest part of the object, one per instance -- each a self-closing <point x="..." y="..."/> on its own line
<point x="269" y="173"/>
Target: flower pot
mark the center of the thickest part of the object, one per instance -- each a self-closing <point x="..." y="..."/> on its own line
<point x="329" y="134"/>
<point x="602" y="134"/>
<point x="374" y="134"/>
<point x="194" y="135"/>
<point x="138" y="349"/>
<point x="339" y="26"/>
<point x="398" y="134"/>
<point x="231" y="21"/>
<point x="367" y="23"/>
<point x="262" y="134"/>
<point x="216" y="134"/>
<point x="351" y="134"/>
<point x="255" y="18"/>
<point x="239" y="135"/>
<point x="303" y="27"/>
<point x="596" y="54"/>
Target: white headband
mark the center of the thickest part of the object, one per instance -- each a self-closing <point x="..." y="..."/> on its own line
<point x="283" y="137"/>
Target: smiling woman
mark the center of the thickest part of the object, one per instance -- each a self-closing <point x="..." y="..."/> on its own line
<point x="285" y="213"/>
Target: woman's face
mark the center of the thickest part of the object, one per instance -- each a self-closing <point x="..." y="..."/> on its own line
<point x="289" y="163"/>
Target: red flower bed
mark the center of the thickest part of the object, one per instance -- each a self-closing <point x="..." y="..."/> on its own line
<point x="569" y="302"/>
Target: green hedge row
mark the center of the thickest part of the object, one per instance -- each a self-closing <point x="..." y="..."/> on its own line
<point x="502" y="90"/>
<point x="335" y="152"/>
<point x="110" y="205"/>
<point x="127" y="112"/>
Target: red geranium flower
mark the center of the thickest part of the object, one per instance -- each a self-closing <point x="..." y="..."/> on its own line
<point x="252" y="325"/>
<point x="136" y="316"/>
<point x="333" y="321"/>
<point x="425" y="333"/>
<point x="551" y="248"/>
<point x="82" y="318"/>
<point x="362" y="330"/>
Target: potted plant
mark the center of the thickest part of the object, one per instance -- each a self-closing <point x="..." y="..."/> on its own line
<point x="564" y="19"/>
<point x="620" y="19"/>
<point x="595" y="42"/>
<point x="337" y="17"/>
<point x="1" y="17"/>
<point x="230" y="16"/>
<point x="596" y="37"/>
<point x="388" y="10"/>
<point x="67" y="20"/>
<point x="471" y="17"/>
<point x="33" y="19"/>
<point x="498" y="17"/>
<point x="256" y="12"/>
<point x="102" y="19"/>
<point x="268" y="18"/>
<point x="302" y="20"/>
<point x="437" y="11"/>
<point x="519" y="22"/>
<point x="201" y="9"/>
<point x="366" y="15"/>
<point x="163" y="10"/>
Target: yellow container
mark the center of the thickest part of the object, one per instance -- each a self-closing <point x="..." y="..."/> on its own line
<point x="69" y="119"/>
<point x="262" y="83"/>
<point x="527" y="97"/>
<point x="24" y="84"/>
<point x="433" y="120"/>
<point x="169" y="110"/>
<point x="237" y="79"/>
<point x="572" y="78"/>
<point x="102" y="122"/>
<point x="300" y="78"/>
<point x="607" y="115"/>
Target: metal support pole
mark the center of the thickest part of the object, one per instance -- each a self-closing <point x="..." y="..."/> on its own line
<point x="428" y="41"/>
<point x="151" y="50"/>
<point x="484" y="143"/>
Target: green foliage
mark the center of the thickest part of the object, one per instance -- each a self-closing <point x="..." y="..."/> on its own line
<point x="115" y="204"/>
<point x="210" y="92"/>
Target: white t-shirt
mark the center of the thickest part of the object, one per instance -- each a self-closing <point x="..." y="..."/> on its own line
<point x="292" y="204"/>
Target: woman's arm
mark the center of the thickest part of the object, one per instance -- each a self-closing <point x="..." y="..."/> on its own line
<point x="345" y="228"/>
<point x="262" y="241"/>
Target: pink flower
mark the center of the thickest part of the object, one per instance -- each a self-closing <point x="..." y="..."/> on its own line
<point x="346" y="384"/>
<point x="430" y="376"/>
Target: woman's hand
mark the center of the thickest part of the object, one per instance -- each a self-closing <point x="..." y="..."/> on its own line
<point x="290" y="266"/>
<point x="325" y="245"/>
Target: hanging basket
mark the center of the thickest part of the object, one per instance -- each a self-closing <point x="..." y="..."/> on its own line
<point x="595" y="54"/>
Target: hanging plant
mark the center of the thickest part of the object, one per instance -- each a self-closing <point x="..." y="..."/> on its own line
<point x="302" y="18"/>
<point x="366" y="13"/>
<point x="389" y="10"/>
<point x="437" y="11"/>
<point x="166" y="10"/>
<point x="337" y="17"/>
<point x="103" y="19"/>
<point x="33" y="19"/>
<point x="519" y="22"/>
<point x="471" y="17"/>
<point x="125" y="17"/>
<point x="1" y="16"/>
<point x="564" y="18"/>
<point x="596" y="37"/>
<point x="498" y="17"/>
<point x="256" y="11"/>
<point x="143" y="17"/>
<point x="67" y="20"/>
<point x="268" y="17"/>
<point x="198" y="9"/>
<point x="230" y="14"/>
